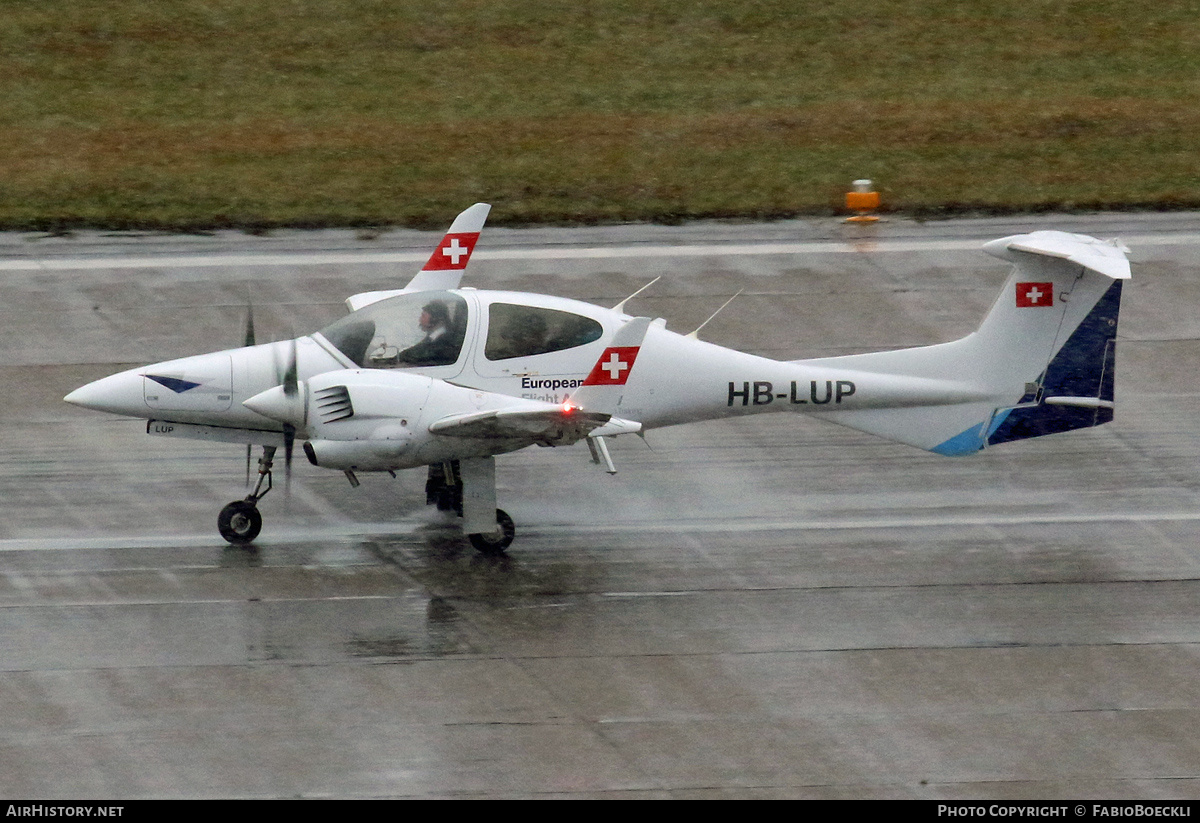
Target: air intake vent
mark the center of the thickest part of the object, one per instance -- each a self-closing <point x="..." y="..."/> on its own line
<point x="333" y="404"/>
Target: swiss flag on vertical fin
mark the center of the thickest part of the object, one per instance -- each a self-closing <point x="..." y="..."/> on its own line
<point x="453" y="252"/>
<point x="1034" y="295"/>
<point x="613" y="367"/>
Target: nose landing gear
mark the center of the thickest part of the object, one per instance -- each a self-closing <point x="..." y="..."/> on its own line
<point x="240" y="521"/>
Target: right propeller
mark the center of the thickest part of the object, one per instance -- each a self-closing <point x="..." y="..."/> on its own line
<point x="248" y="341"/>
<point x="291" y="390"/>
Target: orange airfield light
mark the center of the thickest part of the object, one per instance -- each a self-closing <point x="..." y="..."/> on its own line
<point x="862" y="200"/>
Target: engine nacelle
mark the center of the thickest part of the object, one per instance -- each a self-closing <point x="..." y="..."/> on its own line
<point x="382" y="453"/>
<point x="376" y="420"/>
<point x="365" y="420"/>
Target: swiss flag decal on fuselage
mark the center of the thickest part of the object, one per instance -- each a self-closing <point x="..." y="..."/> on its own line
<point x="453" y="252"/>
<point x="613" y="367"/>
<point x="1033" y="295"/>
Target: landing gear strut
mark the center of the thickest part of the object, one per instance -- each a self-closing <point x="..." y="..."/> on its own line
<point x="468" y="487"/>
<point x="240" y="521"/>
<point x="444" y="488"/>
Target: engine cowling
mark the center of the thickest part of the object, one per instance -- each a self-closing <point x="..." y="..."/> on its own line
<point x="365" y="419"/>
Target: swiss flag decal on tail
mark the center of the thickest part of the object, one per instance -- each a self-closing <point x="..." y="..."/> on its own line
<point x="453" y="252"/>
<point x="613" y="367"/>
<point x="1032" y="295"/>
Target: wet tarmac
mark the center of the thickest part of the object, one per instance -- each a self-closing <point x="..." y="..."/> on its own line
<point x="759" y="608"/>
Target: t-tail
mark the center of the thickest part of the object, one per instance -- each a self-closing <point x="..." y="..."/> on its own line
<point x="1042" y="362"/>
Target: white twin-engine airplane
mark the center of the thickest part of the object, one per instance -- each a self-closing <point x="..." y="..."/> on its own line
<point x="446" y="377"/>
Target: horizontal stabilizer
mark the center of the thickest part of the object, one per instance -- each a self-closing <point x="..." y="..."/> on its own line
<point x="1107" y="258"/>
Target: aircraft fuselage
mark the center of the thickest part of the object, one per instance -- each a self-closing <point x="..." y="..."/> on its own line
<point x="678" y="379"/>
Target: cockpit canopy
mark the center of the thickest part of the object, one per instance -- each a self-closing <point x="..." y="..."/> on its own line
<point x="409" y="330"/>
<point x="428" y="329"/>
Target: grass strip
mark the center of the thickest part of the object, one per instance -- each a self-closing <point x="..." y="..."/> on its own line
<point x="192" y="114"/>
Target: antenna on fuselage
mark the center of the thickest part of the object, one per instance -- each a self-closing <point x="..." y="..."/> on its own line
<point x="696" y="334"/>
<point x="621" y="306"/>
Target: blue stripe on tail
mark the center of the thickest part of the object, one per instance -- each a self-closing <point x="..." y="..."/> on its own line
<point x="1084" y="367"/>
<point x="972" y="440"/>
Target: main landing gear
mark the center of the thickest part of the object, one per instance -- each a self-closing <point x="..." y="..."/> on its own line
<point x="494" y="543"/>
<point x="468" y="488"/>
<point x="240" y="521"/>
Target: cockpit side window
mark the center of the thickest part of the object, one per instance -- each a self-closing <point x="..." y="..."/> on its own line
<point x="406" y="331"/>
<point x="522" y="331"/>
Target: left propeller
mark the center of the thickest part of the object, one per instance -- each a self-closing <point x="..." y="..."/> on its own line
<point x="289" y="381"/>
<point x="285" y="403"/>
<point x="240" y="521"/>
<point x="248" y="338"/>
<point x="247" y="342"/>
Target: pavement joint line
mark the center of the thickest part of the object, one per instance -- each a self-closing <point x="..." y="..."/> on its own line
<point x="317" y="258"/>
<point x="402" y="530"/>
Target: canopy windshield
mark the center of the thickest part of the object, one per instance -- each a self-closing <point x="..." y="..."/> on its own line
<point x="420" y="329"/>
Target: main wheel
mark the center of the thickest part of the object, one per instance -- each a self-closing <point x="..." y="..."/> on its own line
<point x="239" y="522"/>
<point x="495" y="543"/>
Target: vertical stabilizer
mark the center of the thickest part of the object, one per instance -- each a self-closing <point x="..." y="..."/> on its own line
<point x="1043" y="357"/>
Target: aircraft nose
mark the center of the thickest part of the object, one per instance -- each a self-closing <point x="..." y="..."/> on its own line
<point x="117" y="394"/>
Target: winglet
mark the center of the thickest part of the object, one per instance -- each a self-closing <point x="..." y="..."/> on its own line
<point x="445" y="267"/>
<point x="449" y="260"/>
<point x="603" y="388"/>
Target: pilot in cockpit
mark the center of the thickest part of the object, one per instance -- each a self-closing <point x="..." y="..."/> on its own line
<point x="438" y="347"/>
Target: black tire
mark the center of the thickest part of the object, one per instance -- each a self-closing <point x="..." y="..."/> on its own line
<point x="239" y="522"/>
<point x="495" y="544"/>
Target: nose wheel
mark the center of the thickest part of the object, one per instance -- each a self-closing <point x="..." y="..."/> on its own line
<point x="240" y="521"/>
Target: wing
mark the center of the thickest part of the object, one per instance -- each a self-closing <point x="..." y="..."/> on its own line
<point x="557" y="425"/>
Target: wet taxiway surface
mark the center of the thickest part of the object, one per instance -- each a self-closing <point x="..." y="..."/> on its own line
<point x="770" y="607"/>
